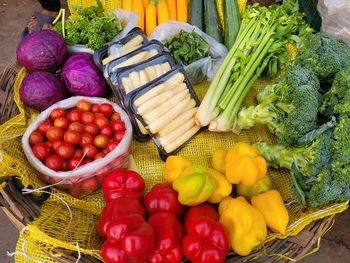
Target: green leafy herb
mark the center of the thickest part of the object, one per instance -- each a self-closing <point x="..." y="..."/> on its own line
<point x="187" y="47"/>
<point x="90" y="27"/>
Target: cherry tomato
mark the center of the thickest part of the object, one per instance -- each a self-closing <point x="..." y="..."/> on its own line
<point x="41" y="151"/>
<point x="54" y="162"/>
<point x="35" y="137"/>
<point x="61" y="123"/>
<point x="89" y="185"/>
<point x="84" y="106"/>
<point x="91" y="128"/>
<point x="72" y="137"/>
<point x="65" y="150"/>
<point x="107" y="130"/>
<point x="104" y="151"/>
<point x="99" y="155"/>
<point x="57" y="113"/>
<point x="65" y="166"/>
<point x="118" y="126"/>
<point x="105" y="109"/>
<point x="55" y="145"/>
<point x="44" y="126"/>
<point x="76" y="126"/>
<point x="118" y="136"/>
<point x="75" y="162"/>
<point x="94" y="108"/>
<point x="90" y="151"/>
<point x="111" y="146"/>
<point x="115" y="116"/>
<point x="86" y="138"/>
<point x="74" y="116"/>
<point x="101" y="141"/>
<point x="54" y="134"/>
<point x="78" y="152"/>
<point x="101" y="121"/>
<point x="87" y="117"/>
<point x="49" y="144"/>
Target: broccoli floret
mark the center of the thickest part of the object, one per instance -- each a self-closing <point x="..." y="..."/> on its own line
<point x="325" y="55"/>
<point x="289" y="108"/>
<point x="337" y="98"/>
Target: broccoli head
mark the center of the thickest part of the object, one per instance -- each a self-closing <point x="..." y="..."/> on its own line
<point x="337" y="99"/>
<point x="324" y="55"/>
<point x="289" y="108"/>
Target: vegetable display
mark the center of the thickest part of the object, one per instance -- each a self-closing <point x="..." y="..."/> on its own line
<point x="187" y="47"/>
<point x="91" y="27"/>
<point x="260" y="44"/>
<point x="41" y="89"/>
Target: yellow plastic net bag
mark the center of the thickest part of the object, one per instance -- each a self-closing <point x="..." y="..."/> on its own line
<point x="67" y="225"/>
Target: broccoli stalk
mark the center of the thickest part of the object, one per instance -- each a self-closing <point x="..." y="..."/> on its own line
<point x="289" y="108"/>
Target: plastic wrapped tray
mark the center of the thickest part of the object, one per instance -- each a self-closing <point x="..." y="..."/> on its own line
<point x="166" y="107"/>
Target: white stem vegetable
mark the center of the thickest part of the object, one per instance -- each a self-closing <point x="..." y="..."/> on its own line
<point x="127" y="86"/>
<point x="160" y="123"/>
<point x="143" y="78"/>
<point x="163" y="108"/>
<point x="135" y="79"/>
<point x="141" y="127"/>
<point x="170" y="137"/>
<point x="178" y="121"/>
<point x="161" y="98"/>
<point x="181" y="139"/>
<point x="151" y="72"/>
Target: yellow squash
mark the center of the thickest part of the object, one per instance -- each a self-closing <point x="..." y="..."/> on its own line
<point x="261" y="186"/>
<point x="223" y="188"/>
<point x="271" y="205"/>
<point x="174" y="166"/>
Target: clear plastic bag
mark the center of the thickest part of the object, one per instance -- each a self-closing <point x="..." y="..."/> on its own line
<point x="128" y="20"/>
<point x="335" y="16"/>
<point x="205" y="67"/>
<point x="73" y="181"/>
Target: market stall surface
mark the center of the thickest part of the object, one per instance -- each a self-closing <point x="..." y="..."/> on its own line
<point x="14" y="14"/>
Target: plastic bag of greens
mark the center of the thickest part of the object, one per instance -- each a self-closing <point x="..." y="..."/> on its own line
<point x="200" y="54"/>
<point x="335" y="18"/>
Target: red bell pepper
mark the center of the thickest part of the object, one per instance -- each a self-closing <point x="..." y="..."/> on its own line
<point x="206" y="239"/>
<point x="169" y="234"/>
<point x="118" y="208"/>
<point x="198" y="212"/>
<point x="129" y="239"/>
<point x="163" y="198"/>
<point x="123" y="183"/>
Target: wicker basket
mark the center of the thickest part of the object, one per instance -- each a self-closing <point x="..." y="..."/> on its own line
<point x="22" y="209"/>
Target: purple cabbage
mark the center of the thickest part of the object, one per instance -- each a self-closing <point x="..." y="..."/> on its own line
<point x="41" y="89"/>
<point x="42" y="51"/>
<point x="82" y="77"/>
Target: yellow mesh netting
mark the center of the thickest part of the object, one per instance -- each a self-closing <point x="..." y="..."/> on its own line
<point x="55" y="233"/>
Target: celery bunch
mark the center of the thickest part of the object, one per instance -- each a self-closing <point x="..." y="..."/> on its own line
<point x="260" y="44"/>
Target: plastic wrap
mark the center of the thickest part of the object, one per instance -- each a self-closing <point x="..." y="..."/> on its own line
<point x="74" y="180"/>
<point x="205" y="67"/>
<point x="128" y="20"/>
<point x="167" y="108"/>
<point x="335" y="16"/>
<point x="122" y="83"/>
<point x="140" y="55"/>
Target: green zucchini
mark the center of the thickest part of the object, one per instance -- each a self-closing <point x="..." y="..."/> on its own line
<point x="232" y="21"/>
<point x="211" y="20"/>
<point x="196" y="13"/>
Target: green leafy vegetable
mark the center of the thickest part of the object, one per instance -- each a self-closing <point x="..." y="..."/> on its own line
<point x="90" y="27"/>
<point x="187" y="47"/>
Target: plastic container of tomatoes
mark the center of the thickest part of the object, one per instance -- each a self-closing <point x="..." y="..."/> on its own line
<point x="82" y="179"/>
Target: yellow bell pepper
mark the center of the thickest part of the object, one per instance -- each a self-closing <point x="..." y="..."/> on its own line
<point x="244" y="165"/>
<point x="271" y="205"/>
<point x="245" y="224"/>
<point x="261" y="186"/>
<point x="174" y="166"/>
<point x="223" y="188"/>
<point x="194" y="185"/>
<point x="218" y="160"/>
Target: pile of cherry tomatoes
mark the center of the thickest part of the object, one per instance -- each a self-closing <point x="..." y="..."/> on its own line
<point x="70" y="138"/>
